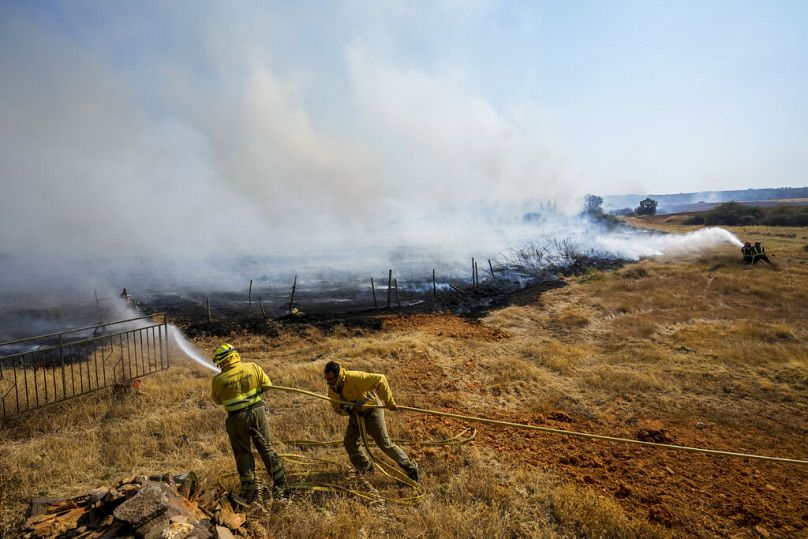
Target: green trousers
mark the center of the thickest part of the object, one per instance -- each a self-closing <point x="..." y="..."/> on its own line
<point x="377" y="429"/>
<point x="247" y="427"/>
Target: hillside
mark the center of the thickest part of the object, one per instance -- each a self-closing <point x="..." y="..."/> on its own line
<point x="703" y="200"/>
<point x="701" y="350"/>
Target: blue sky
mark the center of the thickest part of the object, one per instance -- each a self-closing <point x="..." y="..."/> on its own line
<point x="348" y="112"/>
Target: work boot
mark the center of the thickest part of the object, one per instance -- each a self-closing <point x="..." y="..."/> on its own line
<point x="246" y="496"/>
<point x="413" y="474"/>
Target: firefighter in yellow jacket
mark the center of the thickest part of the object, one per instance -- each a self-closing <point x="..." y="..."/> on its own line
<point x="240" y="387"/>
<point x="363" y="389"/>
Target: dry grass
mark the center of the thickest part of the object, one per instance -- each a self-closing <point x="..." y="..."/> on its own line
<point x="710" y="350"/>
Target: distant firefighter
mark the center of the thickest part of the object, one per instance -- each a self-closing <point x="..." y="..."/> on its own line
<point x="759" y="253"/>
<point x="748" y="253"/>
<point x="364" y="390"/>
<point x="125" y="296"/>
<point x="240" y="388"/>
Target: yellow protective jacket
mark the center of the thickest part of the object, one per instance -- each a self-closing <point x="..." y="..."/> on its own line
<point x="360" y="387"/>
<point x="239" y="385"/>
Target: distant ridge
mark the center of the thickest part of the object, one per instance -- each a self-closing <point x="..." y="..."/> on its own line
<point x="681" y="201"/>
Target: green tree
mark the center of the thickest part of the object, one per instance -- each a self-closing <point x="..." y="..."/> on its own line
<point x="647" y="207"/>
<point x="592" y="204"/>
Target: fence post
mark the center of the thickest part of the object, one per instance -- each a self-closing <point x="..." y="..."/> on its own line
<point x="491" y="267"/>
<point x="373" y="287"/>
<point x="165" y="325"/>
<point x="389" y="286"/>
<point x="434" y="286"/>
<point x="249" y="296"/>
<point x="62" y="362"/>
<point x="292" y="300"/>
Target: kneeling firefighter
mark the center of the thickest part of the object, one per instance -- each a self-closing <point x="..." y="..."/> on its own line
<point x="240" y="387"/>
<point x="363" y="389"/>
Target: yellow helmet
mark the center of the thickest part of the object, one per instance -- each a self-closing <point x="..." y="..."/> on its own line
<point x="223" y="352"/>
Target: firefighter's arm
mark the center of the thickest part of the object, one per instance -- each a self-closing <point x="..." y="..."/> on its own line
<point x="263" y="380"/>
<point x="214" y="394"/>
<point x="383" y="391"/>
<point x="335" y="405"/>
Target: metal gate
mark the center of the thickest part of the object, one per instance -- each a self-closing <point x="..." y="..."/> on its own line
<point x="55" y="367"/>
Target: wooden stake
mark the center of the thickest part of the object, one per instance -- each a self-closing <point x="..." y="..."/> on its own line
<point x="453" y="287"/>
<point x="249" y="296"/>
<point x="98" y="307"/>
<point x="398" y="298"/>
<point x="389" y="286"/>
<point x="476" y="274"/>
<point x="373" y="287"/>
<point x="207" y="303"/>
<point x="434" y="287"/>
<point x="491" y="267"/>
<point x="473" y="282"/>
<point x="292" y="300"/>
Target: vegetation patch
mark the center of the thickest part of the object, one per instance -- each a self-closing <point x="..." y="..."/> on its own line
<point x="738" y="214"/>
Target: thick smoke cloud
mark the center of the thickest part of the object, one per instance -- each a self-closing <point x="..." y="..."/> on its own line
<point x="164" y="142"/>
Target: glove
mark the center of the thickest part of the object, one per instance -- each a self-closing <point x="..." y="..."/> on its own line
<point x="351" y="409"/>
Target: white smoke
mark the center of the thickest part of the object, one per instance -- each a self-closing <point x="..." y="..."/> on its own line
<point x="132" y="158"/>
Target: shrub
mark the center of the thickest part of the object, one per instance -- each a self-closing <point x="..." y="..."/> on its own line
<point x="694" y="220"/>
<point x="786" y="216"/>
<point x="733" y="214"/>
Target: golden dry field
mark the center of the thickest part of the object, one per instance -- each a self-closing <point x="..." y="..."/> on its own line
<point x="700" y="349"/>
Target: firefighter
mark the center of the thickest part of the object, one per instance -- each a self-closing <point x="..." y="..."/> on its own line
<point x="748" y="253"/>
<point x="363" y="389"/>
<point x="240" y="387"/>
<point x="759" y="254"/>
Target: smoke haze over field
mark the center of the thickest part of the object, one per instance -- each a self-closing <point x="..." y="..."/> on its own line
<point x="164" y="135"/>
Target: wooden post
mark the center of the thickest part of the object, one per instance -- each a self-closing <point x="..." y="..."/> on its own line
<point x="98" y="307"/>
<point x="434" y="287"/>
<point x="476" y="275"/>
<point x="249" y="296"/>
<point x="491" y="267"/>
<point x="398" y="298"/>
<point x="261" y="305"/>
<point x="292" y="300"/>
<point x="373" y="287"/>
<point x="207" y="303"/>
<point x="389" y="286"/>
<point x="473" y="283"/>
<point x="453" y="287"/>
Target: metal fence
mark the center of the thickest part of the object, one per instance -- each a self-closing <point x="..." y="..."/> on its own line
<point x="55" y="367"/>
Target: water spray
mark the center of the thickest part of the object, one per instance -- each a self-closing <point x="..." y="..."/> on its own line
<point x="189" y="349"/>
<point x="634" y="246"/>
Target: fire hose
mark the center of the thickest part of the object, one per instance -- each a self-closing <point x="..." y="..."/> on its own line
<point x="464" y="437"/>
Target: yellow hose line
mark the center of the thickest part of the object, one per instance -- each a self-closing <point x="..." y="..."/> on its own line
<point x="463" y="437"/>
<point x="562" y="432"/>
<point x="390" y="471"/>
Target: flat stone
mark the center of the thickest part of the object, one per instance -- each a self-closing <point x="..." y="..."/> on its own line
<point x="151" y="501"/>
<point x="220" y="532"/>
<point x="41" y="506"/>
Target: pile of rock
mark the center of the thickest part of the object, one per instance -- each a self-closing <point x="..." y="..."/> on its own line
<point x="157" y="506"/>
